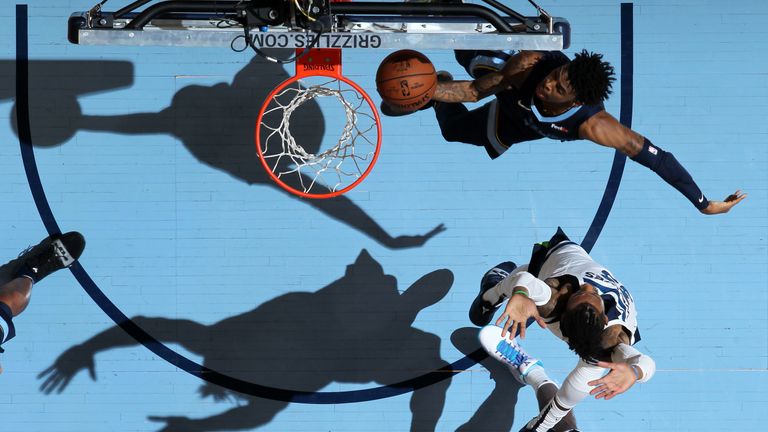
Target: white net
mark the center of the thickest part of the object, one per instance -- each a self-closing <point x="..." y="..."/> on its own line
<point x="318" y="135"/>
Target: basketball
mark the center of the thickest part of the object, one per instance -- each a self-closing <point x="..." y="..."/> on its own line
<point x="406" y="80"/>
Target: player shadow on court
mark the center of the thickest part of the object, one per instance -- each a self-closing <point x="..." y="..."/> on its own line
<point x="215" y="123"/>
<point x="497" y="412"/>
<point x="357" y="329"/>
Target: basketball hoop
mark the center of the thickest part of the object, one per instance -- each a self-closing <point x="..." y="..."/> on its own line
<point x="342" y="159"/>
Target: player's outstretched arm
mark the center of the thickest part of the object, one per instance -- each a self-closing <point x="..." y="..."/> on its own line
<point x="605" y="130"/>
<point x="511" y="75"/>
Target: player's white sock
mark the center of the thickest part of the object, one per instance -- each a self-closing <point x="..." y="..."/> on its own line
<point x="537" y="377"/>
<point x="549" y="416"/>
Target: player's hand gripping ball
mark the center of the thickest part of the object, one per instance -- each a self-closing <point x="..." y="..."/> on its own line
<point x="406" y="80"/>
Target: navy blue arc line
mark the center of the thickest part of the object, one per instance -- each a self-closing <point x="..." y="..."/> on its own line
<point x="625" y="117"/>
<point x="191" y="367"/>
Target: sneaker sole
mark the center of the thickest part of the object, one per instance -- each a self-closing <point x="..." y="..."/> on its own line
<point x="69" y="247"/>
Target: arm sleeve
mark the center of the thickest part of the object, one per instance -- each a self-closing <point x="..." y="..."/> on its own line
<point x="630" y="355"/>
<point x="538" y="291"/>
<point x="575" y="387"/>
<point x="668" y="168"/>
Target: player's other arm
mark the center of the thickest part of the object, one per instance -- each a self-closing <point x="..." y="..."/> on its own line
<point x="511" y="75"/>
<point x="604" y="129"/>
<point x="627" y="366"/>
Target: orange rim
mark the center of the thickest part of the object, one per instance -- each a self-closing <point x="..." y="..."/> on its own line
<point x="329" y="194"/>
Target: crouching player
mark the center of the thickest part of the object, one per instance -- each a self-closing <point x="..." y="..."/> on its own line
<point x="583" y="304"/>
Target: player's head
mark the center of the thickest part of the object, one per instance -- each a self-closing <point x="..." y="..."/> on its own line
<point x="586" y="79"/>
<point x="583" y="322"/>
<point x="590" y="77"/>
<point x="556" y="89"/>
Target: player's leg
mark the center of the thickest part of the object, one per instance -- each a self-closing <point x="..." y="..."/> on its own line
<point x="558" y="413"/>
<point x="38" y="262"/>
<point x="544" y="395"/>
<point x="51" y="255"/>
<point x="464" y="58"/>
<point x="479" y="62"/>
<point x="526" y="369"/>
<point x="14" y="298"/>
<point x="16" y="294"/>
<point x="459" y="124"/>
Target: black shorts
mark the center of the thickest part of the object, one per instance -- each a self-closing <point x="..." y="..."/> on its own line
<point x="542" y="250"/>
<point x="7" y="329"/>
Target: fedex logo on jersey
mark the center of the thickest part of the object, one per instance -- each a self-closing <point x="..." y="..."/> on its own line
<point x="606" y="284"/>
<point x="559" y="128"/>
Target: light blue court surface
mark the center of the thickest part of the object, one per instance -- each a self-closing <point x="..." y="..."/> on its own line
<point x="149" y="152"/>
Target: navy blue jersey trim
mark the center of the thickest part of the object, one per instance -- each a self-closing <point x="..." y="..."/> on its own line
<point x="6" y="314"/>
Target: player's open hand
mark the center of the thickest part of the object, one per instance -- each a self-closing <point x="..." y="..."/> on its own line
<point x="717" y="207"/>
<point x="619" y="379"/>
<point x="516" y="313"/>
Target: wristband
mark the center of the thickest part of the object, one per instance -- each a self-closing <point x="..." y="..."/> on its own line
<point x="631" y="356"/>
<point x="521" y="292"/>
<point x="637" y="374"/>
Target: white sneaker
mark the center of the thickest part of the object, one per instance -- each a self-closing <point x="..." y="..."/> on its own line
<point x="508" y="352"/>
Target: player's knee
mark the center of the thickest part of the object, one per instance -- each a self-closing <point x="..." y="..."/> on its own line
<point x="464" y="57"/>
<point x="451" y="133"/>
<point x="480" y="62"/>
<point x="16" y="301"/>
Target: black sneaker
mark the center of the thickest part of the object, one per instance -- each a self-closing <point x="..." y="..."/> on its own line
<point x="54" y="254"/>
<point x="481" y="312"/>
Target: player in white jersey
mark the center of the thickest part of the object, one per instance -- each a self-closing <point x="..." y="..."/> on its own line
<point x="583" y="304"/>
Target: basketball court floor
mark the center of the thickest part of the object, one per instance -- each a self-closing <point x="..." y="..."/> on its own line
<point x="344" y="307"/>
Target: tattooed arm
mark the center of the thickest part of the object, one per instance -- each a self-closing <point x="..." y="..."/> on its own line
<point x="512" y="74"/>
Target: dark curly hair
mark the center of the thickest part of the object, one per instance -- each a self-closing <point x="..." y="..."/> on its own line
<point x="591" y="77"/>
<point x="583" y="326"/>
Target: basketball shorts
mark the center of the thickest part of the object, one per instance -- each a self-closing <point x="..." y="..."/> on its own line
<point x="7" y="329"/>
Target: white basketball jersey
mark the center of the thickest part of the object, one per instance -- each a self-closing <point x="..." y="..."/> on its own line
<point x="571" y="259"/>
